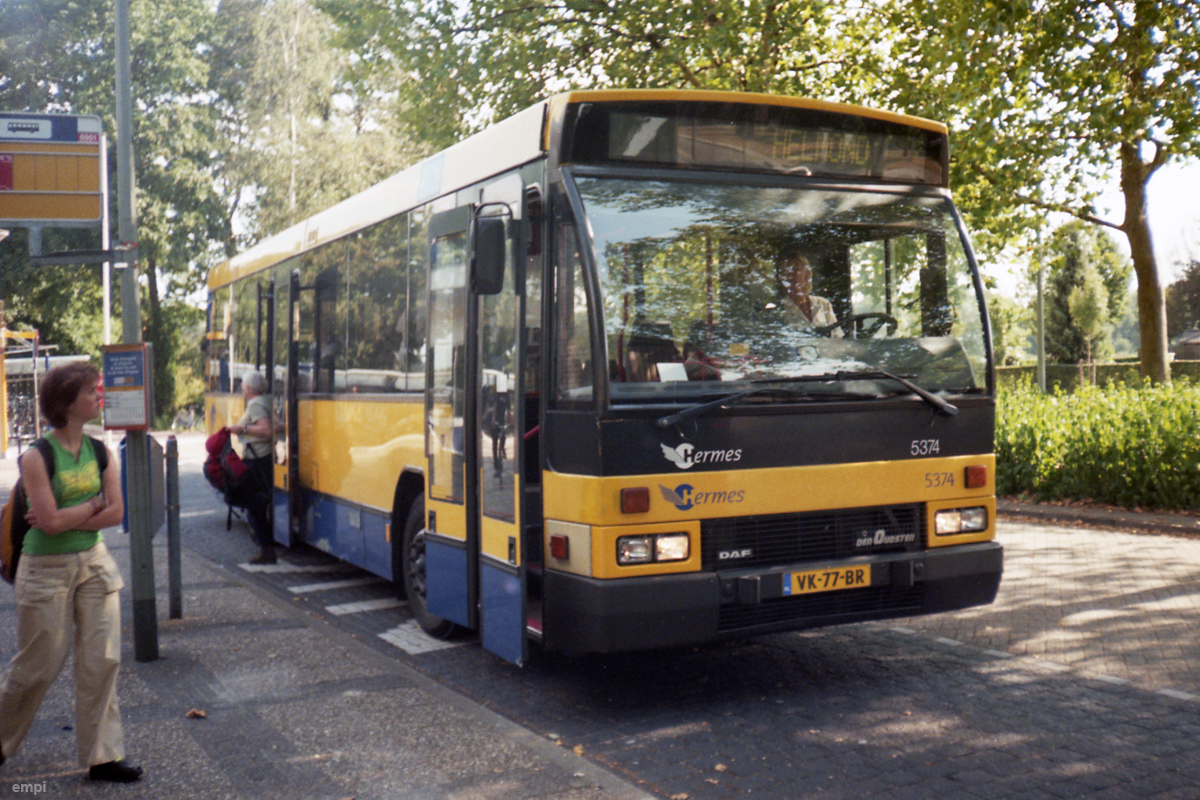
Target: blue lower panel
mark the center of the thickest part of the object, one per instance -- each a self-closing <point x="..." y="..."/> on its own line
<point x="280" y="514"/>
<point x="446" y="579"/>
<point x="351" y="533"/>
<point x="502" y="612"/>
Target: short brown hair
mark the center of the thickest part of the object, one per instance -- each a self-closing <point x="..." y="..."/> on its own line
<point x="60" y="387"/>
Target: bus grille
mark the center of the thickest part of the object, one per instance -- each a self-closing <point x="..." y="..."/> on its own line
<point x="769" y="540"/>
<point x="823" y="609"/>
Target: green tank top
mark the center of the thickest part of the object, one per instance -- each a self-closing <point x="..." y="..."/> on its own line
<point x="74" y="482"/>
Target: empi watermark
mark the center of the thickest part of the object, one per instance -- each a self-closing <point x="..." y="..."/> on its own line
<point x="34" y="789"/>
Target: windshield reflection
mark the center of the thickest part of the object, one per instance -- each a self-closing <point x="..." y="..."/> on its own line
<point x="706" y="288"/>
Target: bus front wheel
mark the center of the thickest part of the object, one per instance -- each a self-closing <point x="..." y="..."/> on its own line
<point x="413" y="561"/>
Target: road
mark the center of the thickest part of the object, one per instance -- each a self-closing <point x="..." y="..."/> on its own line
<point x="1081" y="680"/>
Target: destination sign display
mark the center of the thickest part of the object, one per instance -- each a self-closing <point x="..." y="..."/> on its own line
<point x="816" y="142"/>
<point x="50" y="168"/>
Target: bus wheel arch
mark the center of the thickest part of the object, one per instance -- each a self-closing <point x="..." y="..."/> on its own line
<point x="408" y="555"/>
<point x="410" y="489"/>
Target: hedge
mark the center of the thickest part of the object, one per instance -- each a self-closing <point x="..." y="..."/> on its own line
<point x="1132" y="445"/>
<point x="1066" y="376"/>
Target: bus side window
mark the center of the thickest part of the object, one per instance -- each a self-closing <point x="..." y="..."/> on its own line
<point x="375" y="358"/>
<point x="320" y="331"/>
<point x="414" y="322"/>
<point x="574" y="358"/>
<point x="937" y="314"/>
<point x="241" y="331"/>
<point x="219" y="328"/>
<point x="327" y="345"/>
<point x="532" y="344"/>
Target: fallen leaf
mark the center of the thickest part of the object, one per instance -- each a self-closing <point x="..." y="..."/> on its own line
<point x="196" y="713"/>
<point x="577" y="750"/>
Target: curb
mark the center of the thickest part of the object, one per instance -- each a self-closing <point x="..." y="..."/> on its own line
<point x="1101" y="517"/>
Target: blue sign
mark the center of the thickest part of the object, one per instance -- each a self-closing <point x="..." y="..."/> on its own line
<point x="124" y="369"/>
<point x="49" y="128"/>
<point x="127" y="390"/>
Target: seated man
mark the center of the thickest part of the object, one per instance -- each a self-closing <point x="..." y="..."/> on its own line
<point x="800" y="306"/>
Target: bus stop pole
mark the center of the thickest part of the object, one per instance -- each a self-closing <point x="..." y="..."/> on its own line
<point x="145" y="614"/>
<point x="3" y="385"/>
<point x="174" y="558"/>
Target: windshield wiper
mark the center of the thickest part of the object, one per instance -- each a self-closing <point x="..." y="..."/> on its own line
<point x="696" y="410"/>
<point x="942" y="406"/>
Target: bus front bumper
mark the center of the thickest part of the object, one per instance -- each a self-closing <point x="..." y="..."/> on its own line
<point x="587" y="615"/>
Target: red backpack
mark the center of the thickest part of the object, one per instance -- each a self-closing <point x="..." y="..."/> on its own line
<point x="224" y="469"/>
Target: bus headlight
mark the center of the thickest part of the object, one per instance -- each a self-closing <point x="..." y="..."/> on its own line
<point x="671" y="547"/>
<point x="652" y="549"/>
<point x="635" y="549"/>
<point x="960" y="520"/>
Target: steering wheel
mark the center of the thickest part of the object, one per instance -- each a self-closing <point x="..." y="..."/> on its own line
<point x="877" y="320"/>
<point x="861" y="330"/>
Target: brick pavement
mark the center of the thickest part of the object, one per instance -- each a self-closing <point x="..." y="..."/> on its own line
<point x="1109" y="604"/>
<point x="289" y="707"/>
<point x="1079" y="678"/>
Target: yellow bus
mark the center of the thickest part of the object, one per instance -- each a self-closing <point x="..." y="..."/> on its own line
<point x="634" y="369"/>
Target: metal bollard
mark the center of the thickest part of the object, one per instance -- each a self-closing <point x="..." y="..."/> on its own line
<point x="174" y="563"/>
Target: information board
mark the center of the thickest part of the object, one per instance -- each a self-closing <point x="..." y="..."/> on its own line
<point x="128" y="384"/>
<point x="50" y="168"/>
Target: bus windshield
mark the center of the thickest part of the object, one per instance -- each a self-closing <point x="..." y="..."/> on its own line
<point x="708" y="288"/>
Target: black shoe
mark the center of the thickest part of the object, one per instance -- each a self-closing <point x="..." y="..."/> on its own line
<point x="115" y="772"/>
<point x="265" y="557"/>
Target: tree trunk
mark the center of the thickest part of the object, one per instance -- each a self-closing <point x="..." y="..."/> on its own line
<point x="1152" y="312"/>
<point x="163" y="378"/>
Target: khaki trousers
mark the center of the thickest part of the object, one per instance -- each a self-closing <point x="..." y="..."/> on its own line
<point x="65" y="600"/>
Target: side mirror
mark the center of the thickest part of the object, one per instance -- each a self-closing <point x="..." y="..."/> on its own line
<point x="487" y="264"/>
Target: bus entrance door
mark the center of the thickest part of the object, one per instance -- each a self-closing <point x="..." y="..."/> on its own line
<point x="498" y="401"/>
<point x="287" y="447"/>
<point x="474" y="571"/>
<point x="273" y="339"/>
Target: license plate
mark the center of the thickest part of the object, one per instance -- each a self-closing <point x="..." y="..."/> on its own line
<point x="826" y="580"/>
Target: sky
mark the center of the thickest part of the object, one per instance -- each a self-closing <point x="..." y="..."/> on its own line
<point x="1173" y="204"/>
<point x="1174" y="208"/>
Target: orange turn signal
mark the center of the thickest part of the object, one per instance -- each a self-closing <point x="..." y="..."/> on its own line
<point x="635" y="500"/>
<point x="560" y="547"/>
<point x="976" y="477"/>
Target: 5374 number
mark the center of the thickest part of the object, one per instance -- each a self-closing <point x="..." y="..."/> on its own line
<point x="925" y="447"/>
<point x="937" y="480"/>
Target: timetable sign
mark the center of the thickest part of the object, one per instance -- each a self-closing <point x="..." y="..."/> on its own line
<point x="128" y="386"/>
<point x="50" y="168"/>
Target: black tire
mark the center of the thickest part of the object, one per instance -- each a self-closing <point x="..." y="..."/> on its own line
<point x="412" y="564"/>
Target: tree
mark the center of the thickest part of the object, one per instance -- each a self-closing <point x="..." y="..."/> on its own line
<point x="74" y="293"/>
<point x="1085" y="292"/>
<point x="471" y="63"/>
<point x="57" y="56"/>
<point x="301" y="129"/>
<point x="1052" y="98"/>
<point x="179" y="211"/>
<point x="1087" y="304"/>
<point x="1183" y="301"/>
<point x="1183" y="296"/>
<point x="243" y="119"/>
<point x="1008" y="320"/>
<point x="44" y="65"/>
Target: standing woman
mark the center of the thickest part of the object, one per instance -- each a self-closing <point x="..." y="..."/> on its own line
<point x="255" y="428"/>
<point x="67" y="584"/>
